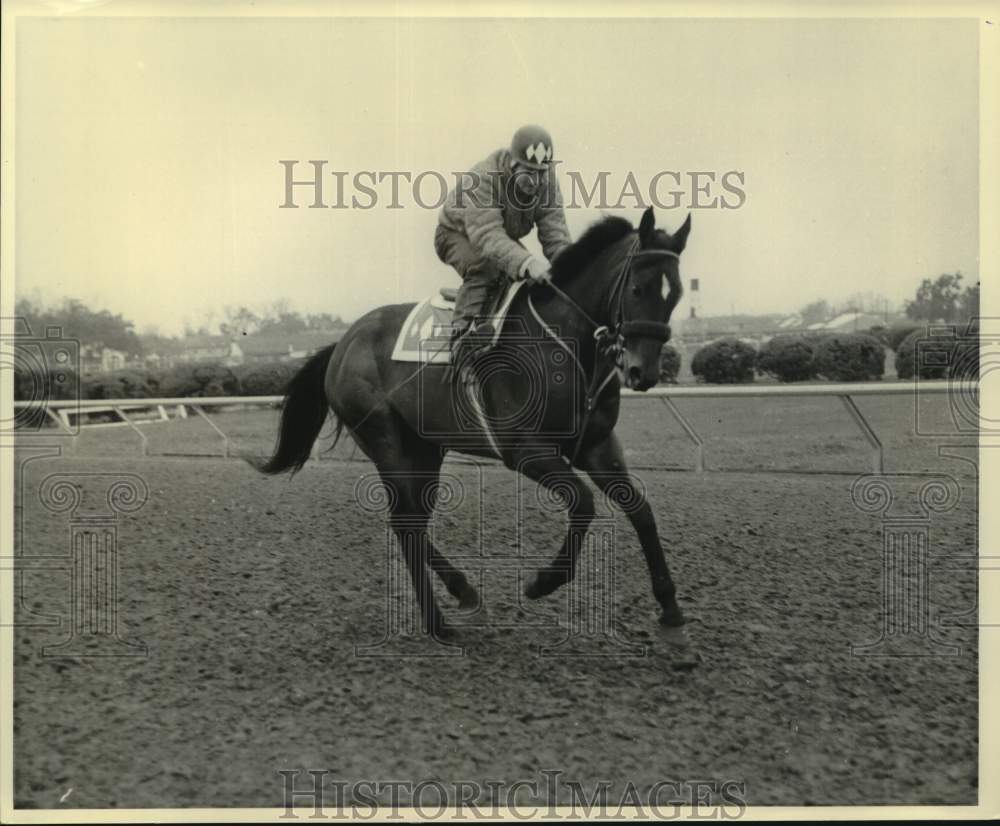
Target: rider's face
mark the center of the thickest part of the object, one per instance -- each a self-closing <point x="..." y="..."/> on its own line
<point x="527" y="179"/>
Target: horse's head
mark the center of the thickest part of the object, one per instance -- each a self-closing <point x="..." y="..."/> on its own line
<point x="650" y="290"/>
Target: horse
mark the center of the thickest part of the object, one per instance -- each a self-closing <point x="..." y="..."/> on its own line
<point x="599" y="322"/>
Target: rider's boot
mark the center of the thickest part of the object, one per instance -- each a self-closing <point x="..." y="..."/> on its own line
<point x="467" y="343"/>
<point x="467" y="336"/>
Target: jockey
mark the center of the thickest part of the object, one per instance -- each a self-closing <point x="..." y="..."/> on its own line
<point x="479" y="227"/>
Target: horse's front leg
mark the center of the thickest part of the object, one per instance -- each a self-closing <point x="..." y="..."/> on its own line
<point x="604" y="462"/>
<point x="553" y="473"/>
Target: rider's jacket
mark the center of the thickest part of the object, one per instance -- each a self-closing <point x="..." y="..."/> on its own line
<point x="486" y="208"/>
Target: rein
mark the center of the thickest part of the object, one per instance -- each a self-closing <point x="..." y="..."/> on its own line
<point x="609" y="341"/>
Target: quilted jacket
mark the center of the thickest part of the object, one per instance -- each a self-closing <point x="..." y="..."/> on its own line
<point x="481" y="208"/>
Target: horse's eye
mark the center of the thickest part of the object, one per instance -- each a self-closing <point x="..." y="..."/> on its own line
<point x="635" y="289"/>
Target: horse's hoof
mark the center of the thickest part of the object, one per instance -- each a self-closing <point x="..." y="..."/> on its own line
<point x="676" y="636"/>
<point x="443" y="632"/>
<point x="687" y="661"/>
<point x="536" y="588"/>
<point x="470" y="602"/>
<point x="542" y="585"/>
<point x="681" y="651"/>
<point x="532" y="590"/>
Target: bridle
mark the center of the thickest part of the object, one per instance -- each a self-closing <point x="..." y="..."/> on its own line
<point x="624" y="328"/>
<point x="609" y="340"/>
<point x="612" y="339"/>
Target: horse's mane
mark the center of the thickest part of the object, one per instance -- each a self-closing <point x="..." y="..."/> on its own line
<point x="593" y="242"/>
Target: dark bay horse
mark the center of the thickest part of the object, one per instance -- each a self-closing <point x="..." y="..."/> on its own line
<point x="549" y="392"/>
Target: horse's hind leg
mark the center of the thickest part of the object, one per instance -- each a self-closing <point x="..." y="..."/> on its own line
<point x="454" y="580"/>
<point x="409" y="469"/>
<point x="411" y="514"/>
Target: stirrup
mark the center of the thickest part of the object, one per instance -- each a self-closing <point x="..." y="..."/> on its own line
<point x="483" y="331"/>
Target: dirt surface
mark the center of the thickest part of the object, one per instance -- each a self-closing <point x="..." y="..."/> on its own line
<point x="255" y="597"/>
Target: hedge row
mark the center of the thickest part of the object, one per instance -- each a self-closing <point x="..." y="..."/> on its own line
<point x="920" y="352"/>
<point x="788" y="358"/>
<point x="182" y="381"/>
<point x="845" y="357"/>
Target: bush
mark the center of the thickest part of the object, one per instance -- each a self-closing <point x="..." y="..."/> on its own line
<point x="266" y="379"/>
<point x="726" y="361"/>
<point x="849" y="357"/>
<point x="120" y="384"/>
<point x="879" y="332"/>
<point x="788" y="358"/>
<point x="59" y="384"/>
<point x="670" y="364"/>
<point x="894" y="335"/>
<point x="199" y="380"/>
<point x="182" y="381"/>
<point x="949" y="355"/>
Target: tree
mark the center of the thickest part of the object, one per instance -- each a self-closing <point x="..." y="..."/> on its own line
<point x="240" y="322"/>
<point x="969" y="303"/>
<point x="867" y="302"/>
<point x="937" y="300"/>
<point x="815" y="312"/>
<point x="78" y="321"/>
<point x="286" y="323"/>
<point x="323" y="321"/>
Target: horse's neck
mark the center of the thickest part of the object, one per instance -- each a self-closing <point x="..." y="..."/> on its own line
<point x="590" y="291"/>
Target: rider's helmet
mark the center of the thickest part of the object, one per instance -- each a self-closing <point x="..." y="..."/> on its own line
<point x="531" y="146"/>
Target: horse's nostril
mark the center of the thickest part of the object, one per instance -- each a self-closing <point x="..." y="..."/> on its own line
<point x="634" y="373"/>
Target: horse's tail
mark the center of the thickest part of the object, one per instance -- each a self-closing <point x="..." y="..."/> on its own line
<point x="303" y="414"/>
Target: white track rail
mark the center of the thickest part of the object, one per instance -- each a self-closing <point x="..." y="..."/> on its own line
<point x="61" y="410"/>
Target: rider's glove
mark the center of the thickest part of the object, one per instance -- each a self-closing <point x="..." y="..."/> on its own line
<point x="535" y="270"/>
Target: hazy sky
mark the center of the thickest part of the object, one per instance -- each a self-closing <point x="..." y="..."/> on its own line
<point x="148" y="175"/>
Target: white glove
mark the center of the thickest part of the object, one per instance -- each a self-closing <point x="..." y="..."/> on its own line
<point x="536" y="270"/>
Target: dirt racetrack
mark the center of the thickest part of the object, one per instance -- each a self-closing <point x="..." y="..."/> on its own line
<point x="251" y="595"/>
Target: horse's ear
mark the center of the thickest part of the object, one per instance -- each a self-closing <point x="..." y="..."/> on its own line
<point x="679" y="239"/>
<point x="646" y="226"/>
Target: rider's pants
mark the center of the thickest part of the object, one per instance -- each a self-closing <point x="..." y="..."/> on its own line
<point x="479" y="275"/>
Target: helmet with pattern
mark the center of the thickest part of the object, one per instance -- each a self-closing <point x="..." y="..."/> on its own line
<point x="531" y="146"/>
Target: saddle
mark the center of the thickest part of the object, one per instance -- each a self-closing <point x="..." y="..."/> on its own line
<point x="494" y="296"/>
<point x="425" y="335"/>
